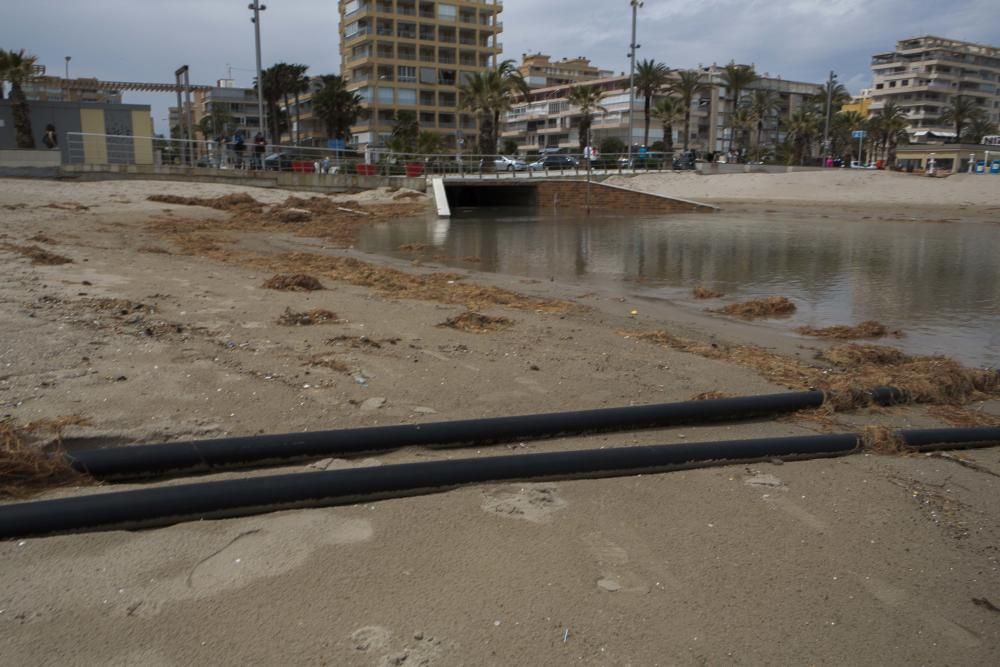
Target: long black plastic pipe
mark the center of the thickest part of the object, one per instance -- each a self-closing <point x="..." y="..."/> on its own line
<point x="255" y="495"/>
<point x="189" y="456"/>
<point x="167" y="505"/>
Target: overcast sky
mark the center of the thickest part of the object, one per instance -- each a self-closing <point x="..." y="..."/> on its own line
<point x="142" y="40"/>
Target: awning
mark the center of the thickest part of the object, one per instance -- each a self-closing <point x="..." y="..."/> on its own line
<point x="935" y="133"/>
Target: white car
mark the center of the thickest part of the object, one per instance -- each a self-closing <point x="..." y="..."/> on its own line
<point x="504" y="163"/>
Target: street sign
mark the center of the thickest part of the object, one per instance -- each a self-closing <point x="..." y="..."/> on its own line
<point x="858" y="134"/>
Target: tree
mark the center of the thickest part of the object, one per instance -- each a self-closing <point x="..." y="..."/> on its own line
<point x="741" y="122"/>
<point x="979" y="127"/>
<point x="216" y="124"/>
<point x="18" y="67"/>
<point x="689" y="84"/>
<point x="737" y="78"/>
<point x="891" y="126"/>
<point x="668" y="110"/>
<point x="803" y="126"/>
<point x="336" y="107"/>
<point x="488" y="94"/>
<point x="763" y="104"/>
<point x="509" y="147"/>
<point x="294" y="82"/>
<point x="650" y="77"/>
<point x="842" y="126"/>
<point x="961" y="112"/>
<point x="271" y="90"/>
<point x="405" y="130"/>
<point x="588" y="100"/>
<point x="612" y="146"/>
<point x="429" y="143"/>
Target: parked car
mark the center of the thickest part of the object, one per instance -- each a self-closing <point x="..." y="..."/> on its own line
<point x="505" y="163"/>
<point x="554" y="162"/>
<point x="686" y="160"/>
<point x="287" y="161"/>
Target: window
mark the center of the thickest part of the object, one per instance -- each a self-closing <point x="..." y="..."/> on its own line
<point x="384" y="95"/>
<point x="904" y="82"/>
<point x="351" y="29"/>
<point x="446" y="12"/>
<point x="407" y="74"/>
<point x="351" y="7"/>
<point x="879" y="86"/>
<point x="406" y="96"/>
<point x="428" y="75"/>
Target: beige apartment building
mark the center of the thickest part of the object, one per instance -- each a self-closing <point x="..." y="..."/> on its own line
<point x="240" y="103"/>
<point x="414" y="55"/>
<point x="924" y="74"/>
<point x="539" y="71"/>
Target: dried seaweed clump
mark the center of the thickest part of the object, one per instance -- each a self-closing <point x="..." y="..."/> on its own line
<point x="234" y="202"/>
<point x="293" y="282"/>
<point x="290" y="318"/>
<point x="36" y="254"/>
<point x="867" y="329"/>
<point x="705" y="293"/>
<point x="27" y="468"/>
<point x="771" y="306"/>
<point x="711" y="395"/>
<point x="477" y="322"/>
<point x="882" y="440"/>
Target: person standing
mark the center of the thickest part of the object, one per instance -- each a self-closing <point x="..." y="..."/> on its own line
<point x="259" y="148"/>
<point x="50" y="140"/>
<point x="239" y="145"/>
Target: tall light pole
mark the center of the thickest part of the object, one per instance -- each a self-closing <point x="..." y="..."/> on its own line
<point x="636" y="4"/>
<point x="257" y="9"/>
<point x="68" y="58"/>
<point x="829" y="104"/>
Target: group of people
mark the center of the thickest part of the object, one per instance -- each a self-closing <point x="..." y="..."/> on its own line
<point x="238" y="146"/>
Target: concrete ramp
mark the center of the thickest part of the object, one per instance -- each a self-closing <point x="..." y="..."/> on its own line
<point x="440" y="198"/>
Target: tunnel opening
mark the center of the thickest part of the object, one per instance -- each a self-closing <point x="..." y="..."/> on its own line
<point x="470" y="196"/>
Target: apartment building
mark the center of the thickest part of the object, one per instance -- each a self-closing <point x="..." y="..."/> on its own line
<point x="546" y="120"/>
<point x="240" y="103"/>
<point x="539" y="71"/>
<point x="57" y="89"/>
<point x="924" y="74"/>
<point x="414" y="55"/>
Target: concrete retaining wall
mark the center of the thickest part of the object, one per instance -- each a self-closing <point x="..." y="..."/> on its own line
<point x="261" y="179"/>
<point x="574" y="194"/>
<point x="718" y="168"/>
<point x="36" y="159"/>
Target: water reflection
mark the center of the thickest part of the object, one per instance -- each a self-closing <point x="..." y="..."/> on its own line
<point x="938" y="282"/>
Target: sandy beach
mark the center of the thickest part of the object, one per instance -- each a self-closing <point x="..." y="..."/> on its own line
<point x="158" y="326"/>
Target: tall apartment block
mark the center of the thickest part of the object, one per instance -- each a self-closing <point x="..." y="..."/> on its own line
<point x="414" y="54"/>
<point x="924" y="74"/>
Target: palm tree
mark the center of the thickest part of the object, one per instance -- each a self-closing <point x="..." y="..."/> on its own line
<point x="689" y="84"/>
<point x="335" y="106"/>
<point x="668" y="110"/>
<point x="291" y="80"/>
<point x="980" y="127"/>
<point x="763" y="104"/>
<point x="587" y="99"/>
<point x="803" y="126"/>
<point x="841" y="129"/>
<point x="272" y="92"/>
<point x="405" y="130"/>
<point x="741" y="121"/>
<point x="300" y="84"/>
<point x="892" y="127"/>
<point x="216" y="123"/>
<point x="489" y="94"/>
<point x="17" y="67"/>
<point x="737" y="78"/>
<point x="960" y="112"/>
<point x="650" y="77"/>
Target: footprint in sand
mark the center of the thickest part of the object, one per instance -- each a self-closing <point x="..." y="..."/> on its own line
<point x="278" y="545"/>
<point x="612" y="561"/>
<point x="422" y="651"/>
<point x="532" y="502"/>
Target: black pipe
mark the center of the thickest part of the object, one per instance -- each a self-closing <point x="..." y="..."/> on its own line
<point x="951" y="438"/>
<point x="159" y="459"/>
<point x="255" y="495"/>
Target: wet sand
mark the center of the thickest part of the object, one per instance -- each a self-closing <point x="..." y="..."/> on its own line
<point x="866" y="560"/>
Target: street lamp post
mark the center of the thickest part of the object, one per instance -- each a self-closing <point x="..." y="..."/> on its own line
<point x="257" y="9"/>
<point x="68" y="58"/>
<point x="829" y="105"/>
<point x="636" y="4"/>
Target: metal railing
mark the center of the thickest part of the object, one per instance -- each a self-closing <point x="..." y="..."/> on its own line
<point x="104" y="150"/>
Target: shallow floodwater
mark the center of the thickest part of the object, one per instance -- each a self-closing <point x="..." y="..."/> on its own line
<point x="939" y="283"/>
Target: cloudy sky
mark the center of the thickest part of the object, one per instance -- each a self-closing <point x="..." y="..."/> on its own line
<point x="142" y="40"/>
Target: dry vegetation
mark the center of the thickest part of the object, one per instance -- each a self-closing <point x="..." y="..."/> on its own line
<point x="477" y="323"/>
<point x="711" y="395"/>
<point x="360" y="342"/>
<point x="867" y="329"/>
<point x="771" y="306"/>
<point x="290" y="318"/>
<point x="706" y="293"/>
<point x="882" y="440"/>
<point x="852" y="371"/>
<point x="293" y="282"/>
<point x="36" y="254"/>
<point x="29" y="467"/>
